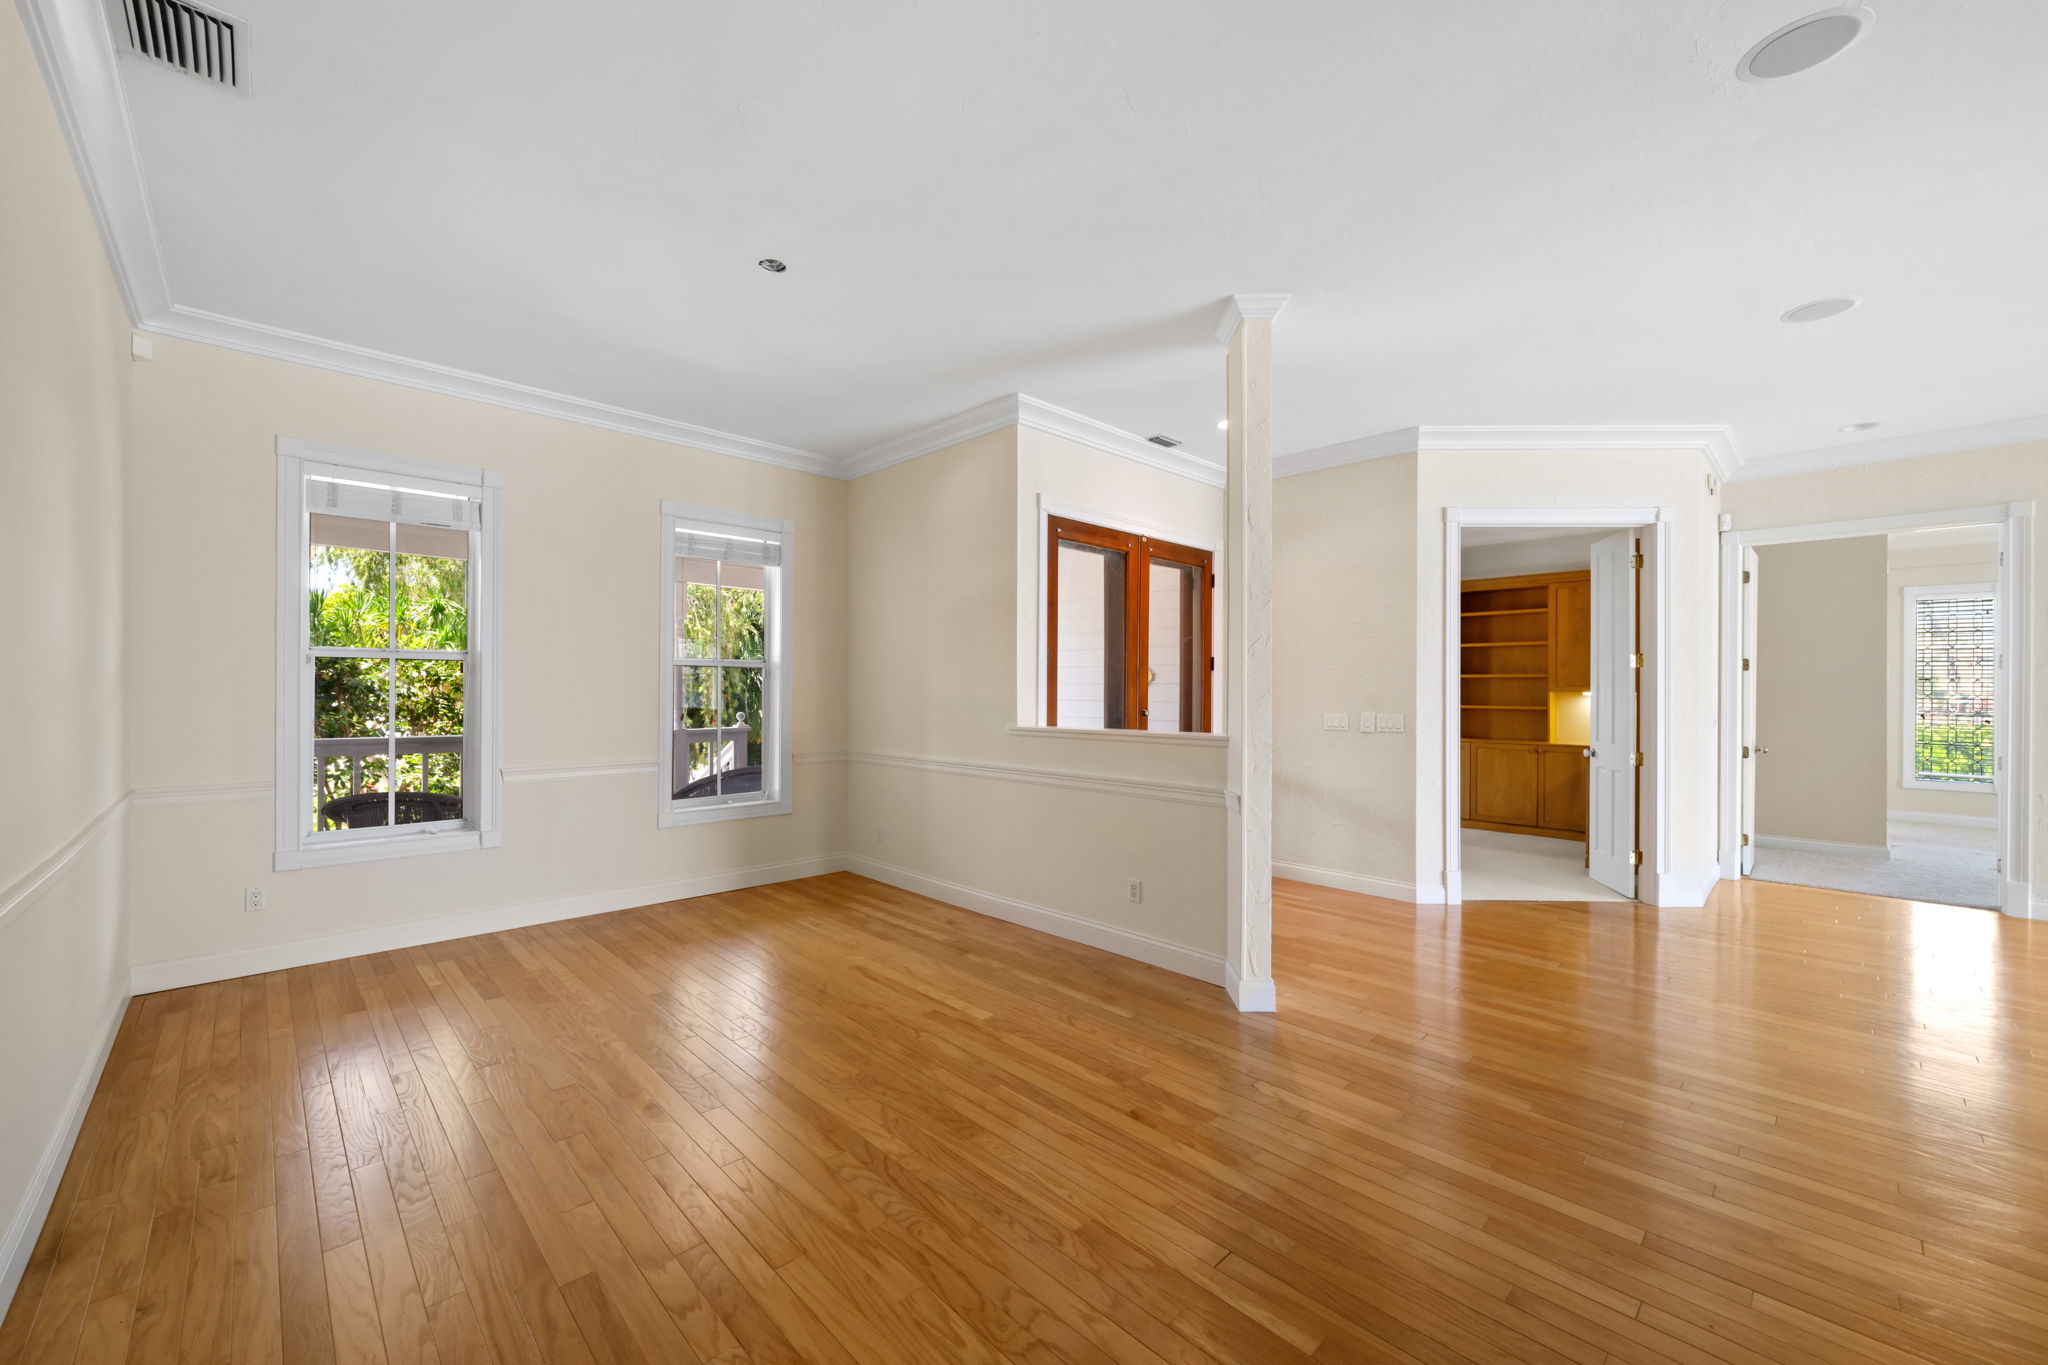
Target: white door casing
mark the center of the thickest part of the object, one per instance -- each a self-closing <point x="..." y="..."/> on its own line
<point x="1611" y="779"/>
<point x="1751" y="581"/>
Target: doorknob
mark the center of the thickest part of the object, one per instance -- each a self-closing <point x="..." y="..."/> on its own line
<point x="1585" y="753"/>
<point x="1761" y="749"/>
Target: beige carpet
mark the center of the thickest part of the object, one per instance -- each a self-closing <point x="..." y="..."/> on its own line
<point x="1940" y="864"/>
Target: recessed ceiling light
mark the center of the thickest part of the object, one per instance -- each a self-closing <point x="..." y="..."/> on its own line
<point x="1818" y="309"/>
<point x="1223" y="424"/>
<point x="1805" y="43"/>
<point x="1860" y="426"/>
<point x="771" y="265"/>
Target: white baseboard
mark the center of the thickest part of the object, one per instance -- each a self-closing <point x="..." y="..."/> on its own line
<point x="2023" y="902"/>
<point x="28" y="1218"/>
<point x="1823" y="846"/>
<point x="1921" y="817"/>
<point x="1124" y="942"/>
<point x="1384" y="887"/>
<point x="1250" y="997"/>
<point x="1674" y="892"/>
<point x="174" y="973"/>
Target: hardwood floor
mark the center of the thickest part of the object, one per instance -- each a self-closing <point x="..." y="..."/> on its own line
<point x="829" y="1121"/>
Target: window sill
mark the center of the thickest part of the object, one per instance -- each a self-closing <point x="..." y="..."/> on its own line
<point x="1957" y="788"/>
<point x="377" y="850"/>
<point x="674" y="816"/>
<point x="1199" y="741"/>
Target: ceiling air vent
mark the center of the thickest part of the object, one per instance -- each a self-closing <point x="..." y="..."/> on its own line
<point x="198" y="42"/>
<point x="1166" y="441"/>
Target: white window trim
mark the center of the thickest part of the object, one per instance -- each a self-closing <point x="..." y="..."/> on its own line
<point x="483" y="772"/>
<point x="777" y="762"/>
<point x="1909" y="602"/>
<point x="1048" y="508"/>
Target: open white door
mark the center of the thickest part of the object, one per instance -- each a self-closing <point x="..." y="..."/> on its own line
<point x="1611" y="781"/>
<point x="1749" y="751"/>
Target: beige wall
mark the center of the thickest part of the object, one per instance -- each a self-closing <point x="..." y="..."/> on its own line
<point x="1820" y="691"/>
<point x="582" y="568"/>
<point x="1920" y="568"/>
<point x="1591" y="479"/>
<point x="1343" y="639"/>
<point x="63" y="432"/>
<point x="947" y="794"/>
<point x="1931" y="483"/>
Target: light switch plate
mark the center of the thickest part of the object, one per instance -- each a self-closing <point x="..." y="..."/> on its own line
<point x="1367" y="722"/>
<point x="1391" y="722"/>
<point x="1336" y="720"/>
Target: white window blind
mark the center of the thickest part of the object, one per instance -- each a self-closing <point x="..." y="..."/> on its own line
<point x="737" y="547"/>
<point x="408" y="505"/>
<point x="1955" y="655"/>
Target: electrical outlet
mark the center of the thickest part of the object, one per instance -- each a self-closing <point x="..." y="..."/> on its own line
<point x="1367" y="722"/>
<point x="1391" y="722"/>
<point x="252" y="899"/>
<point x="1336" y="720"/>
<point x="1136" y="891"/>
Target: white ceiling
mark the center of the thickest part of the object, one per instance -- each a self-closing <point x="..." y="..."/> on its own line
<point x="1487" y="212"/>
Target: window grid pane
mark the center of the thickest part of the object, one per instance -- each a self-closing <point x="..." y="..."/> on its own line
<point x="719" y="742"/>
<point x="1954" y="685"/>
<point x="387" y="726"/>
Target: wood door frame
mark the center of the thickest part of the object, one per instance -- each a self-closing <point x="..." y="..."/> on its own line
<point x="1656" y="881"/>
<point x="2013" y="734"/>
<point x="1139" y="551"/>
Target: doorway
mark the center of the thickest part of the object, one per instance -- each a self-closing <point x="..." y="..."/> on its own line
<point x="1875" y="735"/>
<point x="1549" y="710"/>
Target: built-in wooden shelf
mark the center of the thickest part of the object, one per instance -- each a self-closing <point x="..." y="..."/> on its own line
<point x="1517" y="611"/>
<point x="1515" y="777"/>
<point x="1503" y="644"/>
<point x="1503" y="675"/>
<point x="1469" y="706"/>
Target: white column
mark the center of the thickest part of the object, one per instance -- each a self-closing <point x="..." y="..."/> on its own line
<point x="1248" y="666"/>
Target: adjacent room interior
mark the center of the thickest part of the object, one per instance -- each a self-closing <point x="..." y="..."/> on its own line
<point x="904" y="685"/>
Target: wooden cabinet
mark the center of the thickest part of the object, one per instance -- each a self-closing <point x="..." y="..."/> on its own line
<point x="1504" y="783"/>
<point x="1571" y="635"/>
<point x="1526" y="658"/>
<point x="1521" y="788"/>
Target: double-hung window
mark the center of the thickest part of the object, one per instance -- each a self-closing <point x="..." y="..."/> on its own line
<point x="387" y="657"/>
<point x="1951" y="687"/>
<point x="1127" y="630"/>
<point x="725" y="666"/>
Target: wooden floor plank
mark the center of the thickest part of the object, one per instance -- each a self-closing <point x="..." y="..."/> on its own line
<point x="829" y="1121"/>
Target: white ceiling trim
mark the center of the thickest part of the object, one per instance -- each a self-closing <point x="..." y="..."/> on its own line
<point x="1949" y="441"/>
<point x="192" y="324"/>
<point x="980" y="420"/>
<point x="1072" y="426"/>
<point x="75" y="49"/>
<point x="1715" y="443"/>
<point x="1022" y="410"/>
<point x="1242" y="306"/>
<point x="1405" y="441"/>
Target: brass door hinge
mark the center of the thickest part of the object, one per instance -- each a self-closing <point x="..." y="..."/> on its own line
<point x="1636" y="759"/>
<point x="1745" y="841"/>
<point x="1635" y="859"/>
<point x="1745" y="665"/>
<point x="1635" y="561"/>
<point x="1745" y="575"/>
<point x="1635" y="661"/>
<point x="1745" y="751"/>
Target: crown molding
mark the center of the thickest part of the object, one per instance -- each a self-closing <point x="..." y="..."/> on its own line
<point x="193" y="324"/>
<point x="979" y="420"/>
<point x="1022" y="410"/>
<point x="1072" y="426"/>
<point x="1948" y="441"/>
<point x="75" y="49"/>
<point x="1239" y="307"/>
<point x="1405" y="441"/>
<point x="1716" y="444"/>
